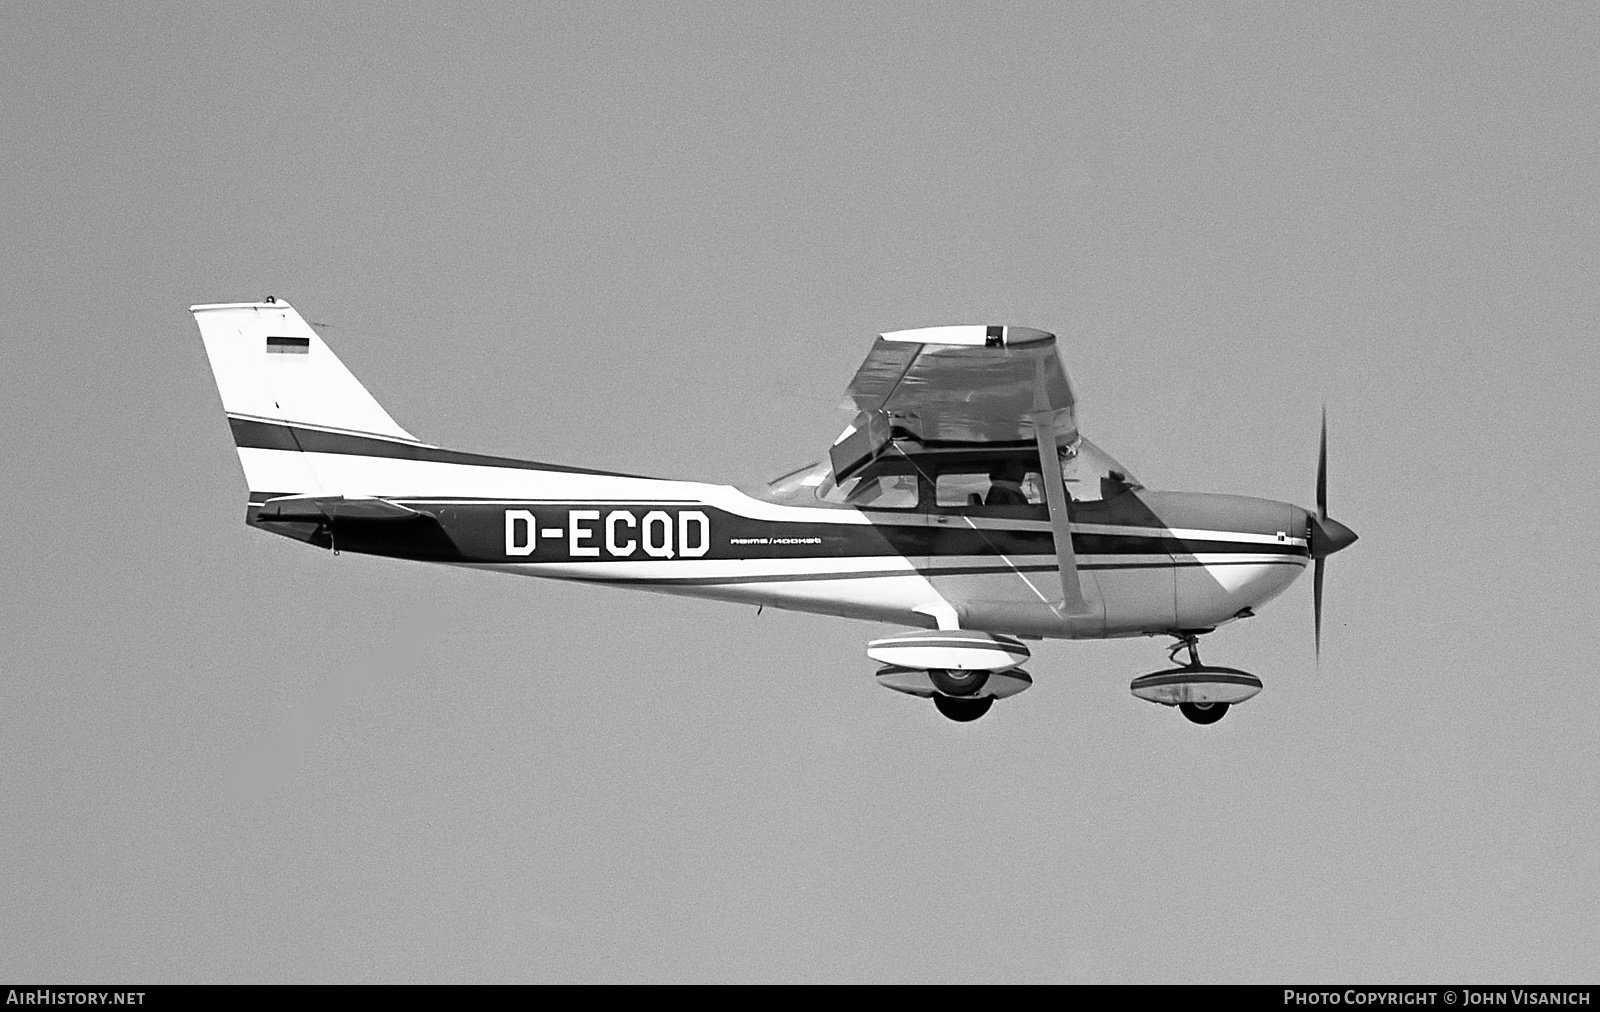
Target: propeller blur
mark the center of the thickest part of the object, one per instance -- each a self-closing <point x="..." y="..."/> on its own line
<point x="1326" y="535"/>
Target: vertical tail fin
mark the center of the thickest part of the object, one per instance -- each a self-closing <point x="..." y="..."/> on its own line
<point x="272" y="368"/>
<point x="271" y="365"/>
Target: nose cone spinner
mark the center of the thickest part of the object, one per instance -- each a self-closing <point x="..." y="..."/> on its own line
<point x="1329" y="536"/>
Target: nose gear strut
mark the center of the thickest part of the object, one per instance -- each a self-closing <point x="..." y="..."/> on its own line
<point x="1190" y="640"/>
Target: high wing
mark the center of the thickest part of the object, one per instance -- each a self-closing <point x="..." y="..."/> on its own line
<point x="965" y="384"/>
<point x="968" y="386"/>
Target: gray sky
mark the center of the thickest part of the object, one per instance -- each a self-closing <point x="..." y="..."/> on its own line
<point x="659" y="238"/>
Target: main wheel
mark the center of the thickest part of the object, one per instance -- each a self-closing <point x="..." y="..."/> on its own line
<point x="1204" y="713"/>
<point x="957" y="683"/>
<point x="963" y="710"/>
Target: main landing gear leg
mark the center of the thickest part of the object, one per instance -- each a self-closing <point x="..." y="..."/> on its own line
<point x="1199" y="713"/>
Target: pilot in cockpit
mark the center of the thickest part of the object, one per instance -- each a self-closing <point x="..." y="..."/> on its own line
<point x="1005" y="484"/>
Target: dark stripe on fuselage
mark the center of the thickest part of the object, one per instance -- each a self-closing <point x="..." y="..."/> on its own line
<point x="251" y="434"/>
<point x="477" y="533"/>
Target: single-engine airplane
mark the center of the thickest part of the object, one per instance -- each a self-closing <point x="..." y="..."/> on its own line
<point x="961" y="500"/>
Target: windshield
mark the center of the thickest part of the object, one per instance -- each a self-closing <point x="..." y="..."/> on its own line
<point x="1091" y="473"/>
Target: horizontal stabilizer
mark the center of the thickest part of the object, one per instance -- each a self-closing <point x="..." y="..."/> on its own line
<point x="335" y="507"/>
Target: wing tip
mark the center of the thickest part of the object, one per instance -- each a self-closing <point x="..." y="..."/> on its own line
<point x="970" y="336"/>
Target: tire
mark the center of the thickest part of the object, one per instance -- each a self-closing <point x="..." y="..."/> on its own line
<point x="963" y="710"/>
<point x="958" y="683"/>
<point x="1204" y="713"/>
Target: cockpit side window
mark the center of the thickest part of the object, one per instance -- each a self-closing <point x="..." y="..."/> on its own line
<point x="988" y="487"/>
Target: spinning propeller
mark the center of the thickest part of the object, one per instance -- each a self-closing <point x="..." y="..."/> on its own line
<point x="1327" y="535"/>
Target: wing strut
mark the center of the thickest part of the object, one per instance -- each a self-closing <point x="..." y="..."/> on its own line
<point x="1055" y="494"/>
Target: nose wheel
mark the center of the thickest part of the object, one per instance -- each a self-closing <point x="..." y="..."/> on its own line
<point x="1203" y="693"/>
<point x="1198" y="712"/>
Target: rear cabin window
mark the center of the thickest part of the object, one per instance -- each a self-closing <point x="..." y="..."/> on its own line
<point x="977" y="488"/>
<point x="880" y="492"/>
